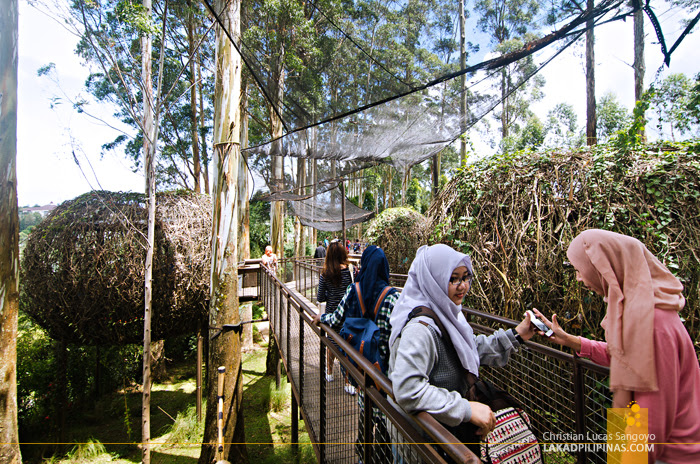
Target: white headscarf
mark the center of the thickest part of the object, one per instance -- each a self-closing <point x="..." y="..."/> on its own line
<point x="427" y="285"/>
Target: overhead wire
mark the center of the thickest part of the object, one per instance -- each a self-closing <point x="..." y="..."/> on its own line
<point x="527" y="49"/>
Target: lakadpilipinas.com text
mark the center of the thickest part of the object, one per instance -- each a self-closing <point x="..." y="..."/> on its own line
<point x="592" y="443"/>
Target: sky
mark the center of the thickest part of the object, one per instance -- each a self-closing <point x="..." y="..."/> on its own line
<point x="48" y="138"/>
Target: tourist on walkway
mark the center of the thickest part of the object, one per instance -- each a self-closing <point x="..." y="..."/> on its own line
<point x="336" y="276"/>
<point x="269" y="259"/>
<point x="651" y="356"/>
<point x="320" y="251"/>
<point x="432" y="370"/>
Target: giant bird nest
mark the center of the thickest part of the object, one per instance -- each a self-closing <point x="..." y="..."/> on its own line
<point x="83" y="268"/>
<point x="516" y="215"/>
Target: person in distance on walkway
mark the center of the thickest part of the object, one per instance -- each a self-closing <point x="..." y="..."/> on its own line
<point x="651" y="356"/>
<point x="320" y="251"/>
<point x="269" y="259"/>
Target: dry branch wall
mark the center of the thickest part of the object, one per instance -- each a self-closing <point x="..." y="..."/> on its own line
<point x="516" y="214"/>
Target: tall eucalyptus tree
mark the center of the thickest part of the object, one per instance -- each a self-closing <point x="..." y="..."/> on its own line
<point x="225" y="350"/>
<point x="9" y="235"/>
<point x="108" y="30"/>
<point x="506" y="20"/>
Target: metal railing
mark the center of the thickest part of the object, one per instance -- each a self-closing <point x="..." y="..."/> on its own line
<point x="574" y="390"/>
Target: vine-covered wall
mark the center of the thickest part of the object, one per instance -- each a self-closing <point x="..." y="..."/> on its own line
<point x="516" y="214"/>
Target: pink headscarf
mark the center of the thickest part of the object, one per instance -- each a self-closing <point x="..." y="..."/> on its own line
<point x="634" y="282"/>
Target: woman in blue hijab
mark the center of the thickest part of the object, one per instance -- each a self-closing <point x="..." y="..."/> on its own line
<point x="372" y="279"/>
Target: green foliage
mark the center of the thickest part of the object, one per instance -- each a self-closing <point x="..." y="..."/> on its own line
<point x="279" y="399"/>
<point x="186" y="428"/>
<point x="516" y="213"/>
<point x="694" y="103"/>
<point x="632" y="136"/>
<point x="399" y="232"/>
<point x="612" y="116"/>
<point x="672" y="101"/>
<point x="561" y="129"/>
<point x="368" y="203"/>
<point x="136" y="16"/>
<point x="259" y="225"/>
<point x="29" y="220"/>
<point x="532" y="135"/>
<point x="413" y="194"/>
<point x="86" y="452"/>
<point x="113" y="30"/>
<point x="37" y="379"/>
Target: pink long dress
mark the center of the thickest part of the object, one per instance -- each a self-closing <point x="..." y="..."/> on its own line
<point x="674" y="410"/>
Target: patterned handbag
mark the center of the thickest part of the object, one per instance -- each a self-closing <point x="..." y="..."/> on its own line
<point x="512" y="440"/>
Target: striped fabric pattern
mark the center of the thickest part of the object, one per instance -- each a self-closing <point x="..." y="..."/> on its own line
<point x="330" y="293"/>
<point x="512" y="440"/>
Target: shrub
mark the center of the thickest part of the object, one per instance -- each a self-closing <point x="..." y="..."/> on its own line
<point x="186" y="428"/>
<point x="86" y="452"/>
<point x="399" y="232"/>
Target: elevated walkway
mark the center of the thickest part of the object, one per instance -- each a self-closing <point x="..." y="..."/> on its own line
<point x="564" y="395"/>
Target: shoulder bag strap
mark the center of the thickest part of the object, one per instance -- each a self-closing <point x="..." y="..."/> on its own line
<point x="380" y="300"/>
<point x="359" y="298"/>
<point x="425" y="311"/>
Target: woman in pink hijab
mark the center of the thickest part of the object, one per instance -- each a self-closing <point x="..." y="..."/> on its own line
<point x="651" y="356"/>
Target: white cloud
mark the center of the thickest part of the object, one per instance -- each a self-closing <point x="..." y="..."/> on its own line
<point x="46" y="171"/>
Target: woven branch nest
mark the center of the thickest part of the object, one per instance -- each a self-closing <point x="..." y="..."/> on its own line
<point x="516" y="215"/>
<point x="83" y="268"/>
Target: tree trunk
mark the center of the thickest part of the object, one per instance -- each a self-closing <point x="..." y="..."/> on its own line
<point x="436" y="174"/>
<point x="244" y="213"/>
<point x="301" y="181"/>
<point x="504" y="104"/>
<point x="193" y="98"/>
<point x="9" y="235"/>
<point x="202" y="126"/>
<point x="591" y="119"/>
<point x="149" y="152"/>
<point x="390" y="192"/>
<point x="463" y="86"/>
<point x="314" y="180"/>
<point x="225" y="350"/>
<point x="277" y="207"/>
<point x="158" y="368"/>
<point x="639" y="66"/>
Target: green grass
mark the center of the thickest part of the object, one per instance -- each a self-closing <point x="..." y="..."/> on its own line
<point x="110" y="431"/>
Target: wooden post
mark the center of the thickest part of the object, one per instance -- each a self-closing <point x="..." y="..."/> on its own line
<point x="220" y="414"/>
<point x="342" y="208"/>
<point x="200" y="343"/>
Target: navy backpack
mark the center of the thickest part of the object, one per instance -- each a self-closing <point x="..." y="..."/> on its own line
<point x="362" y="332"/>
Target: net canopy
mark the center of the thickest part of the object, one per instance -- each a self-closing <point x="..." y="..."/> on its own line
<point x="343" y="87"/>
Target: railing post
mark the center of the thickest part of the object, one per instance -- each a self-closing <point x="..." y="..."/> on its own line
<point x="295" y="425"/>
<point x="301" y="356"/>
<point x="278" y="307"/>
<point x="367" y="428"/>
<point x="580" y="407"/>
<point x="322" y="400"/>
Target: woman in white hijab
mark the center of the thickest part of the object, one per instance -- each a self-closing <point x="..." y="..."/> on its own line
<point x="432" y="371"/>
